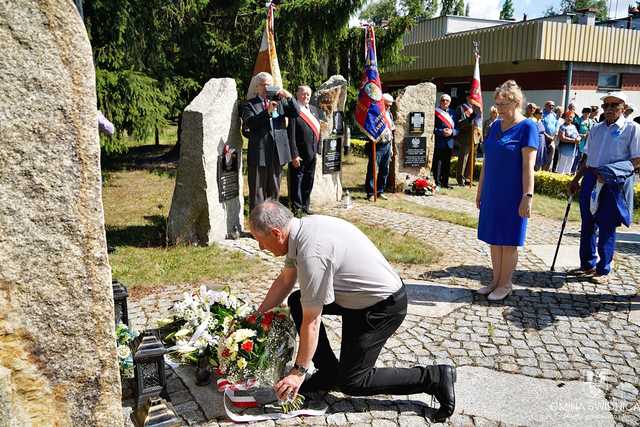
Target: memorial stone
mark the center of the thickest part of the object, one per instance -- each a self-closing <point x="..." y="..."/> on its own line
<point x="207" y="203"/>
<point x="415" y="109"/>
<point x="329" y="98"/>
<point x="58" y="363"/>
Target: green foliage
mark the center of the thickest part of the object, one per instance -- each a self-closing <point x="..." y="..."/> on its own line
<point x="379" y="11"/>
<point x="570" y="6"/>
<point x="507" y="10"/>
<point x="459" y="8"/>
<point x="448" y="7"/>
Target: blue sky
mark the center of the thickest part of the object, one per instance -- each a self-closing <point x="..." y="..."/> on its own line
<point x="490" y="9"/>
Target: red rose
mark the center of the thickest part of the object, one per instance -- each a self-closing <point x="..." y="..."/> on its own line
<point x="251" y="319"/>
<point x="266" y="325"/>
<point x="226" y="352"/>
<point x="247" y="346"/>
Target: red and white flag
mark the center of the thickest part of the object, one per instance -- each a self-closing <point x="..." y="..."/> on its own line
<point x="267" y="59"/>
<point x="475" y="94"/>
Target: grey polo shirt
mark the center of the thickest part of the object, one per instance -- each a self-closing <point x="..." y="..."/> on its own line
<point x="335" y="261"/>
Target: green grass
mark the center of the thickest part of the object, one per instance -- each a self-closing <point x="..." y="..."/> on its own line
<point x="398" y="248"/>
<point x="353" y="174"/>
<point x="136" y="204"/>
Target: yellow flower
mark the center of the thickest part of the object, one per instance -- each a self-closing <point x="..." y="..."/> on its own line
<point x="242" y="363"/>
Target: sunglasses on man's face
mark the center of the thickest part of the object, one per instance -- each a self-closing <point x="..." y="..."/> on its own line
<point x="608" y="105"/>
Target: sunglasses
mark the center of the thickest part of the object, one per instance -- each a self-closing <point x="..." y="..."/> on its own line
<point x="611" y="105"/>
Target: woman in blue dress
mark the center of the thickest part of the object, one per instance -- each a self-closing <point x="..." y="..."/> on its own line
<point x="505" y="189"/>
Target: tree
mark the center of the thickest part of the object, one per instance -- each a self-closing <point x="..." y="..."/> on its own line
<point x="419" y="9"/>
<point x="507" y="10"/>
<point x="381" y="10"/>
<point x="459" y="9"/>
<point x="448" y="7"/>
<point x="570" y="6"/>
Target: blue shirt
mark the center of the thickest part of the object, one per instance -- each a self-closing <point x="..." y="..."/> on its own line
<point x="550" y="122"/>
<point x="612" y="143"/>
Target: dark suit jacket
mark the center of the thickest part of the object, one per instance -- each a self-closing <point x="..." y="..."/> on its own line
<point x="268" y="139"/>
<point x="302" y="139"/>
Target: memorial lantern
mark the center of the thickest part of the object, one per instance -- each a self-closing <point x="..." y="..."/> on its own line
<point x="148" y="361"/>
<point x="157" y="412"/>
<point x="120" y="295"/>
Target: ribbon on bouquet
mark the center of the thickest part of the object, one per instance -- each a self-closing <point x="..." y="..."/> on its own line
<point x="230" y="394"/>
<point x="242" y="400"/>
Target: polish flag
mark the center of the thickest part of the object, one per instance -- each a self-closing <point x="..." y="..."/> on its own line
<point x="475" y="94"/>
<point x="267" y="59"/>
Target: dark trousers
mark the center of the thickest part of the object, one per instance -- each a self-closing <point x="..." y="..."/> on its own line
<point x="441" y="166"/>
<point x="364" y="333"/>
<point x="383" y="158"/>
<point x="464" y="159"/>
<point x="264" y="183"/>
<point x="301" y="184"/>
<point x="604" y="221"/>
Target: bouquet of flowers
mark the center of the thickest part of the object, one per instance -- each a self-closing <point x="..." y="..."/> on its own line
<point x="199" y="322"/>
<point x="124" y="337"/>
<point x="421" y="186"/>
<point x="258" y="348"/>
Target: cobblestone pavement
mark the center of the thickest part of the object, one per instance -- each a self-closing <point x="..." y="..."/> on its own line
<point x="551" y="327"/>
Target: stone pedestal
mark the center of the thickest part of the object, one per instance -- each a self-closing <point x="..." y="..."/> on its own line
<point x="418" y="98"/>
<point x="58" y="363"/>
<point x="207" y="203"/>
<point x="330" y="97"/>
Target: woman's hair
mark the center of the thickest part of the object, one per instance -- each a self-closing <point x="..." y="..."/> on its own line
<point x="538" y="110"/>
<point x="493" y="109"/>
<point x="511" y="91"/>
<point x="568" y="114"/>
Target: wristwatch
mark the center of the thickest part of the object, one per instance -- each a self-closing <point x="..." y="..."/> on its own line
<point x="301" y="369"/>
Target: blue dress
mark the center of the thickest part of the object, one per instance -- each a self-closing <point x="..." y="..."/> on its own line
<point x="500" y="223"/>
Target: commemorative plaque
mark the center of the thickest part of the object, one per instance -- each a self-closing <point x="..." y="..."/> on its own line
<point x="338" y="123"/>
<point x="416" y="122"/>
<point x="331" y="155"/>
<point x="228" y="179"/>
<point x="415" y="151"/>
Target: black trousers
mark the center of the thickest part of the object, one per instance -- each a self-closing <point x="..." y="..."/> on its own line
<point x="301" y="184"/>
<point x="364" y="333"/>
<point x="264" y="183"/>
<point x="441" y="166"/>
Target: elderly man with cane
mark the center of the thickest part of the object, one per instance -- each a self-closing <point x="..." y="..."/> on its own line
<point x="611" y="155"/>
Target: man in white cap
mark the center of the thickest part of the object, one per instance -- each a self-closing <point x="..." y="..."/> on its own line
<point x="611" y="155"/>
<point x="384" y="151"/>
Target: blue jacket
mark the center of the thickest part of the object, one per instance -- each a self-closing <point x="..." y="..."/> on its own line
<point x="438" y="128"/>
<point x="619" y="177"/>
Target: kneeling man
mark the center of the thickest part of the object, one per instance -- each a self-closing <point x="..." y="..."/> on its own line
<point x="342" y="273"/>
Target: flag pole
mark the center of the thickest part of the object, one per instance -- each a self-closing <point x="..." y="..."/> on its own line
<point x="374" y="162"/>
<point x="476" y="54"/>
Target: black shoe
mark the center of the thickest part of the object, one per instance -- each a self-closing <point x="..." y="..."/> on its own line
<point x="445" y="393"/>
<point x="307" y="211"/>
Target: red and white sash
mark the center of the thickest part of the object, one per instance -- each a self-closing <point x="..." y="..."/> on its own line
<point x="309" y="119"/>
<point x="445" y="117"/>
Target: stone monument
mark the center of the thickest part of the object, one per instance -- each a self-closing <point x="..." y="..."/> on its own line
<point x="58" y="363"/>
<point x="329" y="98"/>
<point x="415" y="109"/>
<point x="207" y="203"/>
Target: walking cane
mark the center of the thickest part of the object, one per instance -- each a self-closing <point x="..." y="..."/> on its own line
<point x="564" y="224"/>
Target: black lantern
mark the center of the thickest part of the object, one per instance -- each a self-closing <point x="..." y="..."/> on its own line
<point x="157" y="412"/>
<point x="120" y="295"/>
<point x="148" y="361"/>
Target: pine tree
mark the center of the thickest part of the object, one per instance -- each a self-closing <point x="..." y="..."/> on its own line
<point x="507" y="10"/>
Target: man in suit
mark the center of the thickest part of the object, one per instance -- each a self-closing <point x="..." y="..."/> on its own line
<point x="445" y="130"/>
<point x="304" y="137"/>
<point x="467" y="139"/>
<point x="269" y="147"/>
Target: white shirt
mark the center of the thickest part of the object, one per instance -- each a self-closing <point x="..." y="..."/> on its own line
<point x="612" y="143"/>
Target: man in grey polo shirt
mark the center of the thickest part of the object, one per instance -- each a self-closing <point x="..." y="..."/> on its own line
<point x="340" y="272"/>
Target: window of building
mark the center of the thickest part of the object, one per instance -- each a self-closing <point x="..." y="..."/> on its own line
<point x="608" y="81"/>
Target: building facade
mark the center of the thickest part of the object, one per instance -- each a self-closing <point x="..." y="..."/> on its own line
<point x="550" y="58"/>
